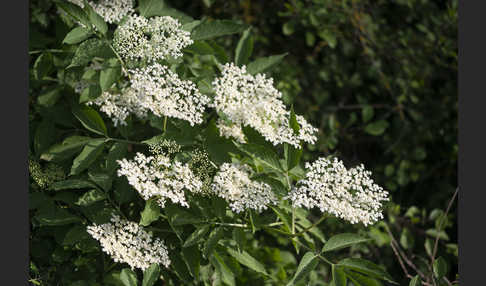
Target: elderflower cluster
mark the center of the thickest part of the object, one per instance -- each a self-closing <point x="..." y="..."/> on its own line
<point x="127" y="242"/>
<point x="249" y="100"/>
<point x="112" y="11"/>
<point x="233" y="183"/>
<point x="230" y="130"/>
<point x="160" y="178"/>
<point x="152" y="39"/>
<point x="348" y="194"/>
<point x="158" y="90"/>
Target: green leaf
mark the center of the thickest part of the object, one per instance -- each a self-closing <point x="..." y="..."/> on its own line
<point x="439" y="267"/>
<point x="216" y="28"/>
<point x="101" y="179"/>
<point x="68" y="148"/>
<point x="224" y="271"/>
<point x="178" y="216"/>
<point x="95" y="19"/>
<point x="150" y="213"/>
<point x="90" y="119"/>
<point x="266" y="155"/>
<point x="367" y="113"/>
<point x="416" y="281"/>
<point x="292" y="154"/>
<point x="342" y="240"/>
<point x="329" y="37"/>
<point x="89" y="49"/>
<point x="89" y="154"/>
<point x="212" y="240"/>
<point x="376" y="128"/>
<point x="192" y="258"/>
<point x="190" y="25"/>
<point x="54" y="216"/>
<point x="71" y="184"/>
<point x="43" y="65"/>
<point x="246" y="259"/>
<point x="338" y="276"/>
<point x="117" y="152"/>
<point x="362" y="280"/>
<point x="128" y="277"/>
<point x="244" y="48"/>
<point x="91" y="197"/>
<point x="433" y="233"/>
<point x="218" y="147"/>
<point x="77" y="35"/>
<point x="44" y="135"/>
<point x="50" y="98"/>
<point x="151" y="275"/>
<point x="308" y="262"/>
<point x="90" y="93"/>
<point x="75" y="11"/>
<point x="149" y="8"/>
<point x="75" y="234"/>
<point x="196" y="236"/>
<point x="262" y="64"/>
<point x="180" y="267"/>
<point x="366" y="267"/>
<point x="110" y="75"/>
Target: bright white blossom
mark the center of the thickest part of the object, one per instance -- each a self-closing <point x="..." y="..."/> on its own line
<point x="158" y="177"/>
<point x="158" y="90"/>
<point x="348" y="194"/>
<point x="152" y="39"/>
<point x="127" y="242"/>
<point x="233" y="183"/>
<point x="112" y="11"/>
<point x="249" y="100"/>
<point x="230" y="130"/>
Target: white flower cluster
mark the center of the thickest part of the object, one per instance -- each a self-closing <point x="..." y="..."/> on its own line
<point x="231" y="130"/>
<point x="159" y="177"/>
<point x="249" y="100"/>
<point x="349" y="194"/>
<point x="152" y="39"/>
<point x="112" y="11"/>
<point x="158" y="90"/>
<point x="127" y="242"/>
<point x="233" y="183"/>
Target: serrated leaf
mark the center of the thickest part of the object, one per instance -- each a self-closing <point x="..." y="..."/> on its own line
<point x="148" y="8"/>
<point x="415" y="281"/>
<point x="75" y="11"/>
<point x="90" y="119"/>
<point x="89" y="49"/>
<point x="212" y="240"/>
<point x="196" y="236"/>
<point x="90" y="198"/>
<point x="342" y="240"/>
<point x="308" y="262"/>
<point x="55" y="217"/>
<point x="376" y="128"/>
<point x="362" y="280"/>
<point x="192" y="258"/>
<point x="101" y="179"/>
<point x="244" y="48"/>
<point x="110" y="75"/>
<point x="95" y="19"/>
<point x="75" y="234"/>
<point x="151" y="275"/>
<point x="42" y="66"/>
<point x="71" y="184"/>
<point x="150" y="213"/>
<point x="128" y="277"/>
<point x="77" y="35"/>
<point x="50" y="97"/>
<point x="439" y="267"/>
<point x="65" y="150"/>
<point x="216" y="28"/>
<point x="44" y="135"/>
<point x="246" y="259"/>
<point x="117" y="152"/>
<point x="90" y="93"/>
<point x="366" y="267"/>
<point x="338" y="276"/>
<point x="262" y="64"/>
<point x="180" y="268"/>
<point x="224" y="271"/>
<point x="266" y="155"/>
<point x="89" y="154"/>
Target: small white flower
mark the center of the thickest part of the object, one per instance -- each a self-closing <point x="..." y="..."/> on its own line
<point x="160" y="178"/>
<point x="158" y="90"/>
<point x="348" y="194"/>
<point x="152" y="39"/>
<point x="127" y="242"/>
<point x="233" y="183"/>
<point x="112" y="11"/>
<point x="230" y="131"/>
<point x="248" y="100"/>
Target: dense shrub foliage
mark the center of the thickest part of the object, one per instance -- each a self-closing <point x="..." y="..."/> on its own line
<point x="165" y="150"/>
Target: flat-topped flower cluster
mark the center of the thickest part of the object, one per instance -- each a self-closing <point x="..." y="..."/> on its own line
<point x="127" y="242"/>
<point x="349" y="194"/>
<point x="112" y="11"/>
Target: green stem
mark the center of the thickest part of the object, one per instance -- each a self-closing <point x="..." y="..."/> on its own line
<point x="229" y="224"/>
<point x="165" y="123"/>
<point x="49" y="50"/>
<point x="317" y="254"/>
<point x="124" y="69"/>
<point x="125" y="141"/>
